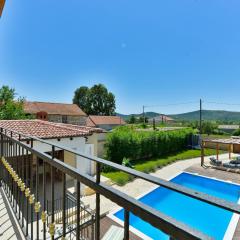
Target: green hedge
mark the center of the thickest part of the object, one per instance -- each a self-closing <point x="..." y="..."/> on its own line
<point x="132" y="144"/>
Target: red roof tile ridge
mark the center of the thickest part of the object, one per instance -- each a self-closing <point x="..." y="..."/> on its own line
<point x="49" y="102"/>
<point x="75" y="127"/>
<point x="61" y="126"/>
<point x="48" y="129"/>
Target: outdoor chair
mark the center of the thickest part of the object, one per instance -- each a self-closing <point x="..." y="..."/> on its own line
<point x="230" y="165"/>
<point x="214" y="161"/>
<point x="235" y="161"/>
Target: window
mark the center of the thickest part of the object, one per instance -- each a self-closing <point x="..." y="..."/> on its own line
<point x="64" y="119"/>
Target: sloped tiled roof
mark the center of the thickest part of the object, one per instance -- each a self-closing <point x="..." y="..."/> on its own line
<point x="53" y="108"/>
<point x="90" y="123"/>
<point x="47" y="130"/>
<point x="102" y="120"/>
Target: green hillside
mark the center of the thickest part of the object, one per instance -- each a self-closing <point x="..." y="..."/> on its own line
<point x="211" y="115"/>
<point x="147" y="114"/>
<point x="217" y="115"/>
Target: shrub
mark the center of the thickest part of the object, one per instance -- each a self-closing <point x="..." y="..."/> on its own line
<point x="125" y="142"/>
<point x="208" y="127"/>
<point x="236" y="132"/>
<point x="127" y="163"/>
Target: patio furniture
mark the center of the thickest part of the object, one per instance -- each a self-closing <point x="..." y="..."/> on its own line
<point x="214" y="161"/>
<point x="231" y="165"/>
<point x="235" y="161"/>
<point x="114" y="233"/>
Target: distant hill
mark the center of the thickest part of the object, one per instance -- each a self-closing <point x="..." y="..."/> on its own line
<point x="214" y="115"/>
<point x="147" y="114"/>
<point x="209" y="115"/>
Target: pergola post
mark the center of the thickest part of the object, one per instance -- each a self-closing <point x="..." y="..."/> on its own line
<point x="217" y="151"/>
<point x="230" y="150"/>
<point x="202" y="153"/>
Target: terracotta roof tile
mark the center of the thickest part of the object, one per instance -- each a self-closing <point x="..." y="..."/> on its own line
<point x="112" y="120"/>
<point x="53" y="108"/>
<point x="47" y="130"/>
<point x="90" y="123"/>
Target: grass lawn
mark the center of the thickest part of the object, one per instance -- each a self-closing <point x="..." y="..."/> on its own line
<point x="214" y="136"/>
<point x="151" y="165"/>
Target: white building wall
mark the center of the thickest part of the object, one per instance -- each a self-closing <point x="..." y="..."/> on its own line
<point x="75" y="143"/>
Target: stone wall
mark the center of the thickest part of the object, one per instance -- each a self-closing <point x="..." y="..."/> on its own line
<point x="55" y="118"/>
<point x="76" y="120"/>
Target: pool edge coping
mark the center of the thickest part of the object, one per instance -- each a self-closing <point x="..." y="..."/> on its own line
<point x="231" y="228"/>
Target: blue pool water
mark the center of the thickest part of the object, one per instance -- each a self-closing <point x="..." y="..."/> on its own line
<point x="209" y="219"/>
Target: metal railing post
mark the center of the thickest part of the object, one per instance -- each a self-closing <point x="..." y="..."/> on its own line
<point x="126" y="224"/>
<point x="1" y="155"/>
<point x="64" y="203"/>
<point x="52" y="194"/>
<point x="23" y="178"/>
<point x="37" y="195"/>
<point x="31" y="188"/>
<point x="44" y="199"/>
<point x="97" y="226"/>
<point x="78" y="211"/>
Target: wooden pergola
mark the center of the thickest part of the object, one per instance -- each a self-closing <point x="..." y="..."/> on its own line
<point x="2" y="2"/>
<point x="230" y="142"/>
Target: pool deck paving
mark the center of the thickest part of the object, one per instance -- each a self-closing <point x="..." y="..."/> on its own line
<point x="139" y="187"/>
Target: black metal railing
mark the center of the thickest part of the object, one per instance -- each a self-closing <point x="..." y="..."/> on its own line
<point x="87" y="217"/>
<point x="26" y="188"/>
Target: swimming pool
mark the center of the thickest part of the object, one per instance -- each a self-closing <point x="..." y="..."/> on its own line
<point x="209" y="219"/>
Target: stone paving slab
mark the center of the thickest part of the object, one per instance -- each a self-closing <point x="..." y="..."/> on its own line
<point x="8" y="226"/>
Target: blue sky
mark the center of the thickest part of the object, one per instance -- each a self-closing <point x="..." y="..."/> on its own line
<point x="146" y="52"/>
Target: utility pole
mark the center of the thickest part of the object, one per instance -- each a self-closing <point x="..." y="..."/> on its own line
<point x="143" y="114"/>
<point x="200" y="118"/>
<point x="200" y="131"/>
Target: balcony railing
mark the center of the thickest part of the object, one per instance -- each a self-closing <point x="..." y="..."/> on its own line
<point x="26" y="187"/>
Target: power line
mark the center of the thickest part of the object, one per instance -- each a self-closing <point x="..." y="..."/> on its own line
<point x="222" y="103"/>
<point x="170" y="104"/>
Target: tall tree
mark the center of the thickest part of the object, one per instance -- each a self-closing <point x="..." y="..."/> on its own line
<point x="9" y="107"/>
<point x="80" y="98"/>
<point x="96" y="100"/>
<point x="6" y="94"/>
<point x="132" y="119"/>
